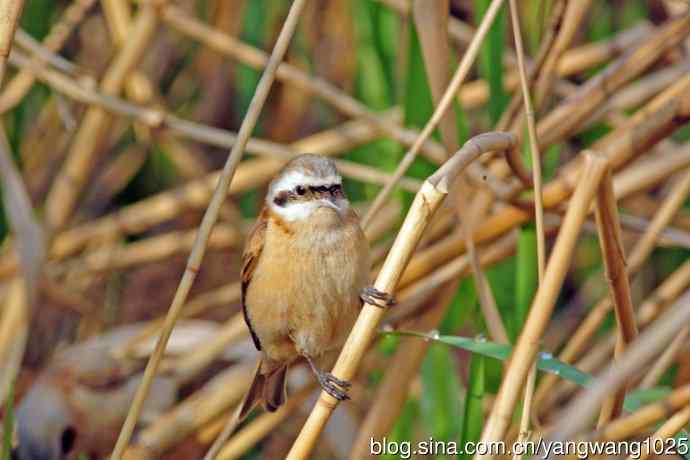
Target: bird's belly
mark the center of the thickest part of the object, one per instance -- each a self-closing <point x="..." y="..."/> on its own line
<point x="308" y="294"/>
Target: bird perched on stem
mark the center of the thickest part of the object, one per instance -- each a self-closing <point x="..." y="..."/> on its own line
<point x="305" y="274"/>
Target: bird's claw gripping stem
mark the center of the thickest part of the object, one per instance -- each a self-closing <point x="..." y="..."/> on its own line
<point x="373" y="296"/>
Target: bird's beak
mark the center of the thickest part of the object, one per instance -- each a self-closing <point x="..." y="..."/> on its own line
<point x="329" y="202"/>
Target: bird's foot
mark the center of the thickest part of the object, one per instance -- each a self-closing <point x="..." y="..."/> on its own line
<point x="373" y="296"/>
<point x="334" y="386"/>
<point x="330" y="383"/>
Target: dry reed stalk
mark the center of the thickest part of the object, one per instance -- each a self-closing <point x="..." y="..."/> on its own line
<point x="566" y="118"/>
<point x="665" y="361"/>
<point x="156" y="248"/>
<point x="613" y="253"/>
<point x="414" y="296"/>
<point x="427" y="200"/>
<point x="20" y="84"/>
<point x="577" y="415"/>
<point x="431" y="24"/>
<point x="476" y="93"/>
<point x="114" y="178"/>
<point x="538" y="199"/>
<point x="140" y="90"/>
<point x="666" y="163"/>
<point x="670" y="237"/>
<point x="578" y="59"/>
<point x="527" y="346"/>
<point x="253" y="57"/>
<point x="25" y="41"/>
<point x="193" y="361"/>
<point x="645" y="207"/>
<point x="666" y="431"/>
<point x="403" y="367"/>
<point x="639" y="254"/>
<point x="159" y="119"/>
<point x="14" y="332"/>
<point x="209" y="219"/>
<point x="249" y="436"/>
<point x="10" y="12"/>
<point x="642" y="418"/>
<point x="640" y="91"/>
<point x="195" y="194"/>
<point x="638" y="422"/>
<point x="440" y="110"/>
<point x="62" y="198"/>
<point x="185" y="159"/>
<point x="572" y="61"/>
<point x="662" y="115"/>
<point x="41" y="154"/>
<point x="15" y="318"/>
<point x="511" y="116"/>
<point x="667" y="292"/>
<point x="138" y="87"/>
<point x="663" y="295"/>
<point x="28" y="246"/>
<point x="567" y="29"/>
<point x="216" y="397"/>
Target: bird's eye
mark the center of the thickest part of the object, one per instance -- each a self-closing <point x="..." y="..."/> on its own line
<point x="335" y="189"/>
<point x="67" y="438"/>
<point x="300" y="190"/>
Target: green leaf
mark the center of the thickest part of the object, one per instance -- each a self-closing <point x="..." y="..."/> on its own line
<point x="441" y="404"/>
<point x="254" y="30"/>
<point x="404" y="427"/>
<point x="526" y="276"/>
<point x="491" y="60"/>
<point x="462" y="305"/>
<point x="374" y="87"/>
<point x="546" y="362"/>
<point x="473" y="419"/>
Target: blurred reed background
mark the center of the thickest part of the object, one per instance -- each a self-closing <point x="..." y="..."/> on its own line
<point x="119" y="116"/>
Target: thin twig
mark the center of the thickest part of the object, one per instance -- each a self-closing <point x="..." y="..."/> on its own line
<point x="651" y="342"/>
<point x="611" y="242"/>
<point x="527" y="346"/>
<point x="209" y="219"/>
<point x="459" y="76"/>
<point x="426" y="202"/>
<point x="538" y="201"/>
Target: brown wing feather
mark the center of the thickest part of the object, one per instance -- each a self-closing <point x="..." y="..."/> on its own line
<point x="250" y="259"/>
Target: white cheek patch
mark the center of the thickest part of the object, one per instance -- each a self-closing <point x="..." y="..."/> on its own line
<point x="298" y="211"/>
<point x="295" y="211"/>
<point x="294" y="178"/>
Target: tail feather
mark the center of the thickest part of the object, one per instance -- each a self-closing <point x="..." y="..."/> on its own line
<point x="254" y="394"/>
<point x="274" y="390"/>
<point x="268" y="390"/>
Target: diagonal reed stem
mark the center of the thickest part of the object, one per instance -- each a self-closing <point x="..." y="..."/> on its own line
<point x="611" y="242"/>
<point x="426" y="202"/>
<point x="538" y="200"/>
<point x="209" y="219"/>
<point x="527" y="346"/>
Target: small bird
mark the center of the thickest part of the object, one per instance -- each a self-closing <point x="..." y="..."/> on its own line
<point x="305" y="274"/>
<point x="78" y="402"/>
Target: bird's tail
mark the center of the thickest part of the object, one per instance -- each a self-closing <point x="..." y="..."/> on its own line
<point x="267" y="389"/>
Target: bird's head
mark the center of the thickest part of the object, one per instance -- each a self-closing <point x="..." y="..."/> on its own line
<point x="307" y="184"/>
<point x="45" y="425"/>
